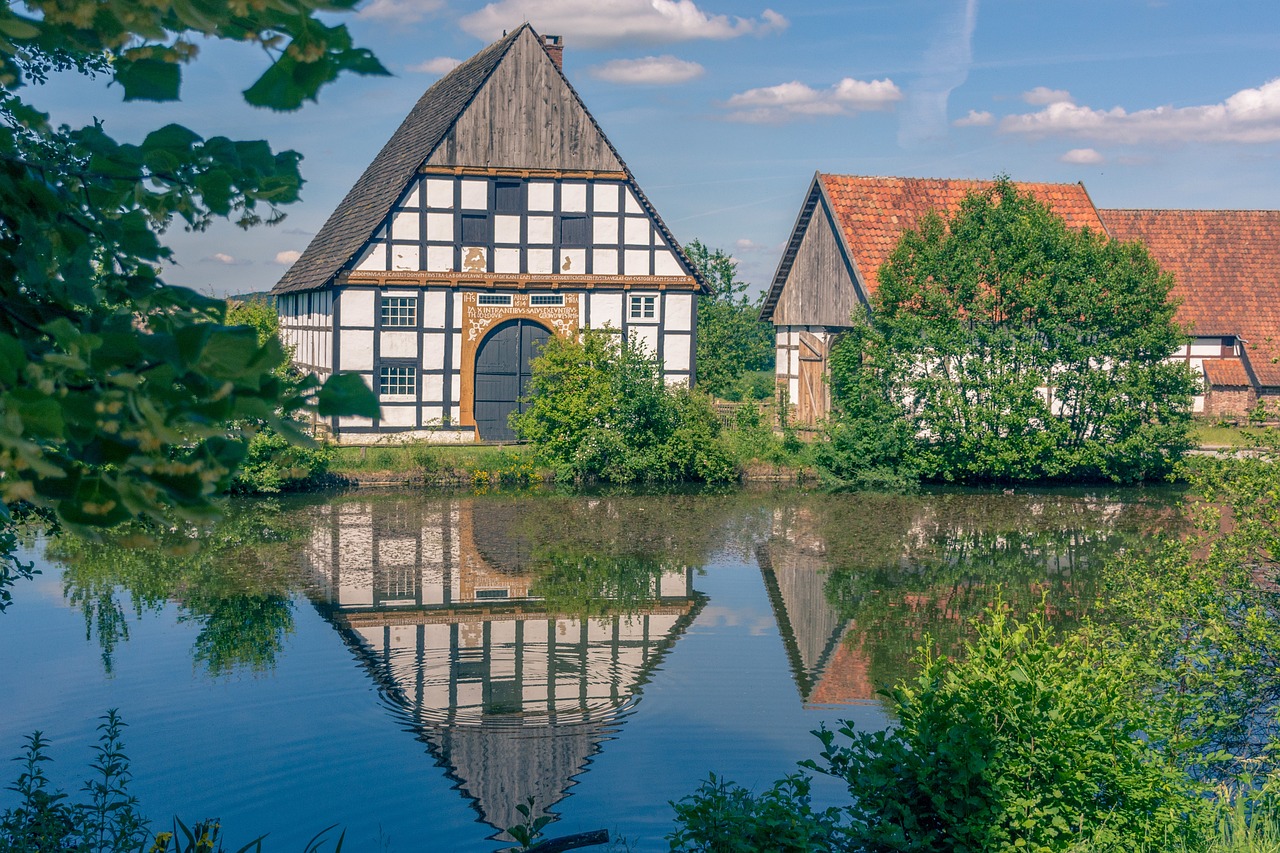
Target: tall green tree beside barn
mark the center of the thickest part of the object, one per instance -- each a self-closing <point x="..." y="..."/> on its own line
<point x="1018" y="349"/>
<point x="119" y="393"/>
<point x="732" y="340"/>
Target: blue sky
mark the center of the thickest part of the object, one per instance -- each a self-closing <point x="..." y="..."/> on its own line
<point x="724" y="109"/>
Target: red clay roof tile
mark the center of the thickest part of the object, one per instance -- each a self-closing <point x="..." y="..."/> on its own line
<point x="873" y="212"/>
<point x="1226" y="372"/>
<point x="1226" y="272"/>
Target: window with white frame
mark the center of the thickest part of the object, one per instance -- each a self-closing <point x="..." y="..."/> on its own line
<point x="643" y="308"/>
<point x="546" y="299"/>
<point x="493" y="299"/>
<point x="399" y="311"/>
<point x="396" y="380"/>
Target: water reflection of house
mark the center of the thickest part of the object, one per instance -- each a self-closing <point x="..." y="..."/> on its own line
<point x="825" y="653"/>
<point x="511" y="697"/>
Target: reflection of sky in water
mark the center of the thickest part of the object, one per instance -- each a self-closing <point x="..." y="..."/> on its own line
<point x="792" y="607"/>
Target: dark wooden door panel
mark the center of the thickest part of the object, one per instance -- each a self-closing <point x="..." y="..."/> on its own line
<point x="502" y="375"/>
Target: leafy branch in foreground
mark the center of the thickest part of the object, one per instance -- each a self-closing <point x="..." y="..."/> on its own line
<point x="122" y="396"/>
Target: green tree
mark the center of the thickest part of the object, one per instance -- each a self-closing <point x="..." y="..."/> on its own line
<point x="599" y="409"/>
<point x="732" y="340"/>
<point x="1020" y="349"/>
<point x="121" y="395"/>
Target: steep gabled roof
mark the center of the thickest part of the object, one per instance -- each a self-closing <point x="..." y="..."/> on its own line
<point x="872" y="213"/>
<point x="422" y="132"/>
<point x="370" y="200"/>
<point x="1226" y="272"/>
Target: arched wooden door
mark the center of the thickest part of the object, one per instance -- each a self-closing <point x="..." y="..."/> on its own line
<point x="502" y="375"/>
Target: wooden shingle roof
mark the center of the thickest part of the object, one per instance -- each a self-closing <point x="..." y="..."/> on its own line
<point x="1226" y="271"/>
<point x="422" y="132"/>
<point x="369" y="201"/>
<point x="872" y="213"/>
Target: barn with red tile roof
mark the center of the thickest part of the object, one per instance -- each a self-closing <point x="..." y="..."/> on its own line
<point x="847" y="227"/>
<point x="1226" y="270"/>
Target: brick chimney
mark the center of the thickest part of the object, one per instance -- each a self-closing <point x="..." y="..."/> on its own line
<point x="555" y="49"/>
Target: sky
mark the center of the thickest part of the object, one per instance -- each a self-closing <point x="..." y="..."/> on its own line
<point x="724" y="109"/>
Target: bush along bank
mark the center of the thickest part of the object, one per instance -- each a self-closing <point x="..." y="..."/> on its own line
<point x="1152" y="727"/>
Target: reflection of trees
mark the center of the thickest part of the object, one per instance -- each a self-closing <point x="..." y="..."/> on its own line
<point x="228" y="579"/>
<point x="936" y="562"/>
<point x="857" y="581"/>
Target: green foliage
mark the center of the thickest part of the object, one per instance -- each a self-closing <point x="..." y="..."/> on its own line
<point x="1022" y="350"/>
<point x="275" y="464"/>
<point x="723" y="817"/>
<point x="109" y="820"/>
<point x="530" y="828"/>
<point x="868" y="445"/>
<point x="228" y="580"/>
<point x="599" y="409"/>
<point x="732" y="339"/>
<point x="45" y="821"/>
<point x="1029" y="741"/>
<point x="122" y="396"/>
<point x="1202" y="616"/>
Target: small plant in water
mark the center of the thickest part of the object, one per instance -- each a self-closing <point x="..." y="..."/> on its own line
<point x="530" y="828"/>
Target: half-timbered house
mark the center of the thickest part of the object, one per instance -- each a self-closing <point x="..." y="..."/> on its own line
<point x="497" y="215"/>
<point x="847" y="227"/>
<point x="1226" y="278"/>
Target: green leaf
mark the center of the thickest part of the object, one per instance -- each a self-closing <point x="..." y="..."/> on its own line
<point x="346" y="394"/>
<point x="149" y="79"/>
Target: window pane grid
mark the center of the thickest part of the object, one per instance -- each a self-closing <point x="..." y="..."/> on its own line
<point x="493" y="299"/>
<point x="546" y="299"/>
<point x="399" y="311"/>
<point x="396" y="381"/>
<point x="643" y="307"/>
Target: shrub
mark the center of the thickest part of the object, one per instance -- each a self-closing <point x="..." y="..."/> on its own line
<point x="1030" y="741"/>
<point x="599" y="409"/>
<point x="275" y="464"/>
<point x="723" y="817"/>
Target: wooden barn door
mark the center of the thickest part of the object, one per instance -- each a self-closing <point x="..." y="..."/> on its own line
<point x="812" y="406"/>
<point x="502" y="375"/>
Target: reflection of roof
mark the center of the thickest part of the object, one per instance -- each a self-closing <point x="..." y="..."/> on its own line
<point x="1228" y="372"/>
<point x="810" y="627"/>
<point x="847" y="676"/>
<point x="1226" y="272"/>
<point x="872" y="212"/>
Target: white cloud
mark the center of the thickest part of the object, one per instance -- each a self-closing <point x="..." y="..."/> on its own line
<point x="649" y="70"/>
<point x="224" y="258"/>
<point x="772" y="104"/>
<point x="440" y="65"/>
<point x="975" y="118"/>
<point x="1083" y="157"/>
<point x="594" y="23"/>
<point x="400" y="11"/>
<point x="287" y="257"/>
<point x="746" y="244"/>
<point x="1043" y="95"/>
<point x="1248" y="116"/>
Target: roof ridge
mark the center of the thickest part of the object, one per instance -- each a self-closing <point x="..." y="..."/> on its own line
<point x="374" y="193"/>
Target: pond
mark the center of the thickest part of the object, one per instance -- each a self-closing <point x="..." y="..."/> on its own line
<point x="413" y="666"/>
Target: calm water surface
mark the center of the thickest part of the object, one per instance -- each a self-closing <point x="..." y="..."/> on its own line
<point x="413" y="666"/>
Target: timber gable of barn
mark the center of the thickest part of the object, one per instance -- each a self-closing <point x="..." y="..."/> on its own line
<point x="497" y="215"/>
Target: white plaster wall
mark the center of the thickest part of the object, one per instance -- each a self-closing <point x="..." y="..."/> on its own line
<point x="675" y="351"/>
<point x="356" y="350"/>
<point x="357" y="307"/>
<point x="648" y="335"/>
<point x="433" y="351"/>
<point x="1210" y="350"/>
<point x="399" y="416"/>
<point x="665" y="263"/>
<point x="679" y="311"/>
<point x="433" y="388"/>
<point x="606" y="310"/>
<point x="399" y="345"/>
